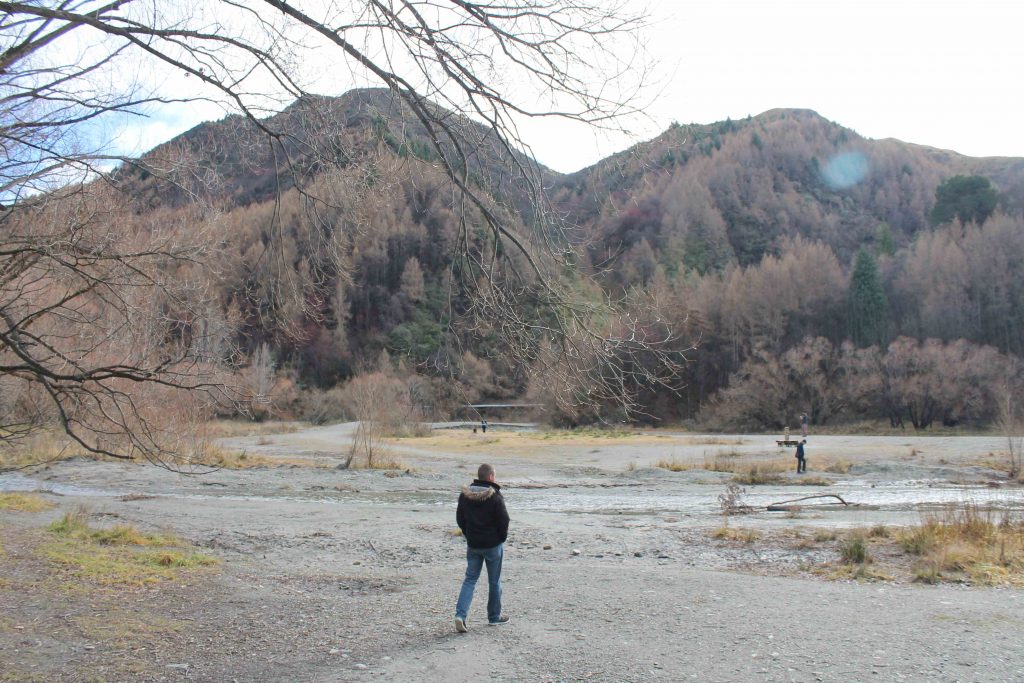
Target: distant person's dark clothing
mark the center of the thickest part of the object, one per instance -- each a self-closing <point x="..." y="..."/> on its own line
<point x="482" y="516"/>
<point x="801" y="458"/>
<point x="483" y="426"/>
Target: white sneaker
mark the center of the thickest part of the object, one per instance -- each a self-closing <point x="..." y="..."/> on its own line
<point x="460" y="625"/>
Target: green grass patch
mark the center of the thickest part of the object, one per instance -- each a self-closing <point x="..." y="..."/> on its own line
<point x="117" y="556"/>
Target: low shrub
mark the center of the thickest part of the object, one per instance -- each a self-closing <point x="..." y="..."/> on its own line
<point x="854" y="549"/>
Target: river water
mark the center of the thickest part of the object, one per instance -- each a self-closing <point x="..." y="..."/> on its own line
<point x="688" y="499"/>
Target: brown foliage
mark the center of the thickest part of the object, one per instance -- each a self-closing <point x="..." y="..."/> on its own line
<point x="921" y="382"/>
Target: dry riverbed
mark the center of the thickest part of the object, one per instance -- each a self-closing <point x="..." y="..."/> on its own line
<point x="616" y="570"/>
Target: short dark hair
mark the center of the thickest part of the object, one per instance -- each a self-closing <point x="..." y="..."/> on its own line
<point x="485" y="472"/>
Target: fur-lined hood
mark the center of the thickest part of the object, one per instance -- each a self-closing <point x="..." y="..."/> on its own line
<point x="479" y="491"/>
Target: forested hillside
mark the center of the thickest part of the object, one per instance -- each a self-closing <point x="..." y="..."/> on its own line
<point x="786" y="237"/>
<point x="813" y="270"/>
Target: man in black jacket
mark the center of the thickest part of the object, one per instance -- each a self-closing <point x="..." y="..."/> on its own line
<point x="482" y="516"/>
<point x="801" y="458"/>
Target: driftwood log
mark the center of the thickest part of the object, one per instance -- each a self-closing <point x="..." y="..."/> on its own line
<point x="785" y="505"/>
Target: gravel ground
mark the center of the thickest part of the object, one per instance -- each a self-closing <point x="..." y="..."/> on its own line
<point x="610" y="572"/>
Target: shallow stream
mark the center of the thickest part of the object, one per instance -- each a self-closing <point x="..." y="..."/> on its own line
<point x="920" y="496"/>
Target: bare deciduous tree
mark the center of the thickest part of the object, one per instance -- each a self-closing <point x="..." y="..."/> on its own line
<point x="1008" y="421"/>
<point x="99" y="320"/>
<point x="383" y="407"/>
<point x="261" y="376"/>
<point x="65" y="82"/>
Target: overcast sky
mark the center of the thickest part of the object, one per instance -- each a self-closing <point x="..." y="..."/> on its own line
<point x="939" y="73"/>
<point x="935" y="72"/>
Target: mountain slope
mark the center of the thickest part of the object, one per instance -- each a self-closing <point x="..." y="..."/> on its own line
<point x="728" y="192"/>
<point x="353" y="210"/>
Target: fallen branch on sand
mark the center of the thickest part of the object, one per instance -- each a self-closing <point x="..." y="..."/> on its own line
<point x="784" y="505"/>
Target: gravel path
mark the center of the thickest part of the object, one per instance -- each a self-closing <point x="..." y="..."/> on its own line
<point x="579" y="620"/>
<point x="334" y="575"/>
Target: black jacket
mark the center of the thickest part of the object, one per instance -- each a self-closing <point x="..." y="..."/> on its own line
<point x="481" y="515"/>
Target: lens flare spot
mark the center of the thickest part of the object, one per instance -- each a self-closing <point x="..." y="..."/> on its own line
<point x="845" y="170"/>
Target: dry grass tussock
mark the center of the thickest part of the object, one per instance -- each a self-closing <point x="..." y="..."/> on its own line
<point x="410" y="430"/>
<point x="24" y="502"/>
<point x="728" y="533"/>
<point x="724" y="464"/>
<point x="120" y="555"/>
<point x="998" y="462"/>
<point x="715" y="441"/>
<point x="963" y="544"/>
<point x="673" y="465"/>
<point x="221" y="458"/>
<point x="750" y="472"/>
<point x="737" y="466"/>
<point x="380" y="461"/>
<point x="857" y="571"/>
<point x="519" y="444"/>
<point x="760" y="472"/>
<point x="881" y="428"/>
<point x="854" y="549"/>
<point x="225" y="429"/>
<point x="214" y="456"/>
<point x="967" y="544"/>
<point x="813" y="480"/>
<point x="837" y="466"/>
<point x="42" y="447"/>
<point x="591" y="432"/>
<point x="193" y="449"/>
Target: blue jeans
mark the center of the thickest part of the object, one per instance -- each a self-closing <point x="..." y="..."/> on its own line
<point x="475" y="559"/>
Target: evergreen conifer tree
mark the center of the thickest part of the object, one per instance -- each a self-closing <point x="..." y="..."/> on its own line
<point x="868" y="308"/>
